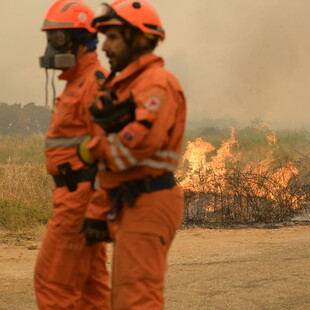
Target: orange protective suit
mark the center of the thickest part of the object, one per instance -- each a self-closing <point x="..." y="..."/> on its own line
<point x="144" y="149"/>
<point x="69" y="275"/>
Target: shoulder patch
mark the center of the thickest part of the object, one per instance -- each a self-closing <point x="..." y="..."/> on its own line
<point x="153" y="103"/>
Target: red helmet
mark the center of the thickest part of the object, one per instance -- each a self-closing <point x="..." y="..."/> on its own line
<point x="68" y="14"/>
<point x="134" y="13"/>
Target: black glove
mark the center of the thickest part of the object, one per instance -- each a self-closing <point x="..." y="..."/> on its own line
<point x="111" y="114"/>
<point x="95" y="231"/>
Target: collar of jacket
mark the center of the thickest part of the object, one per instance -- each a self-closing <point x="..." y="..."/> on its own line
<point x="135" y="67"/>
<point x="79" y="67"/>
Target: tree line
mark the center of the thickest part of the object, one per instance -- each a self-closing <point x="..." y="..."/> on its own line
<point x="23" y="119"/>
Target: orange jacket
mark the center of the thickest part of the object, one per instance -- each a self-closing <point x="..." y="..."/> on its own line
<point x="138" y="151"/>
<point x="71" y="119"/>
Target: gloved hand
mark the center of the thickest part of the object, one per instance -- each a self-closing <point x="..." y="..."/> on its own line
<point x="95" y="231"/>
<point x="85" y="154"/>
<point x="112" y="115"/>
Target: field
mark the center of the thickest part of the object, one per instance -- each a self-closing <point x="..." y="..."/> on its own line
<point x="26" y="189"/>
<point x="248" y="268"/>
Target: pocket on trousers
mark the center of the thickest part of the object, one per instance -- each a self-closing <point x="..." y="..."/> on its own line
<point x="66" y="260"/>
<point x="141" y="255"/>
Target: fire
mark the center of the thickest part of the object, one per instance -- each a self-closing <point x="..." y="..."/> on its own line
<point x="224" y="175"/>
<point x="196" y="153"/>
<point x="203" y="175"/>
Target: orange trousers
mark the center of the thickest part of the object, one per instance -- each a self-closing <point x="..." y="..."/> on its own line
<point x="69" y="275"/>
<point x="142" y="237"/>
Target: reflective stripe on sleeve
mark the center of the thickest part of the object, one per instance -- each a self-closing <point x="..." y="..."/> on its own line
<point x="157" y="164"/>
<point x="168" y="154"/>
<point x="118" y="161"/>
<point x="125" y="151"/>
<point x="101" y="166"/>
<point x="97" y="184"/>
<point x="150" y="163"/>
<point x="63" y="141"/>
<point x="117" y="147"/>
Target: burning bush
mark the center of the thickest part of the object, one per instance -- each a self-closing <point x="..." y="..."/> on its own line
<point x="222" y="187"/>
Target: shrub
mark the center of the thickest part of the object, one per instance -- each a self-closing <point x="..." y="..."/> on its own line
<point x="223" y="187"/>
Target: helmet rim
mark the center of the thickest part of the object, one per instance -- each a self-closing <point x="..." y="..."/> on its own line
<point x="124" y="13"/>
<point x="68" y="14"/>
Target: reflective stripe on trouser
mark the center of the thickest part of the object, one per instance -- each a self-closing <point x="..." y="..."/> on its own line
<point x="69" y="275"/>
<point x="143" y="235"/>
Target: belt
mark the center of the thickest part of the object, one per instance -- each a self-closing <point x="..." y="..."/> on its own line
<point x="79" y="176"/>
<point x="129" y="191"/>
<point x="164" y="181"/>
<point x="161" y="182"/>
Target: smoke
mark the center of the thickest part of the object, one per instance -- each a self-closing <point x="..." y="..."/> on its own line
<point x="242" y="59"/>
<point x="236" y="59"/>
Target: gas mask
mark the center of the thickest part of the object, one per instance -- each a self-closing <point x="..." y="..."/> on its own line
<point x="56" y="56"/>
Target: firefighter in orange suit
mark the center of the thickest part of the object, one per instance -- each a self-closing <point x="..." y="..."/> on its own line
<point x="143" y="114"/>
<point x="69" y="274"/>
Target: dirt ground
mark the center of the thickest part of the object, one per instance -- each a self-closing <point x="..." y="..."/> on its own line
<point x="208" y="269"/>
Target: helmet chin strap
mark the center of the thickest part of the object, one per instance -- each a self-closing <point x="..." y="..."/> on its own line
<point x="129" y="38"/>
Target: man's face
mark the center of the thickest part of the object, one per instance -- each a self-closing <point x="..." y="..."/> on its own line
<point x="116" y="49"/>
<point x="59" y="39"/>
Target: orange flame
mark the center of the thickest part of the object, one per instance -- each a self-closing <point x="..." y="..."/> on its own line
<point x="204" y="175"/>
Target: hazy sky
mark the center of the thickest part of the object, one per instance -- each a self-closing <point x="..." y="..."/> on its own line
<point x="235" y="58"/>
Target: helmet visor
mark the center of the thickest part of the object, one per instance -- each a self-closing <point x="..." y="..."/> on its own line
<point x="58" y="38"/>
<point x="107" y="14"/>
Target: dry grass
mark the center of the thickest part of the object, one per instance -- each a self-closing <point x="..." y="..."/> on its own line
<point x="22" y="149"/>
<point x="25" y="187"/>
